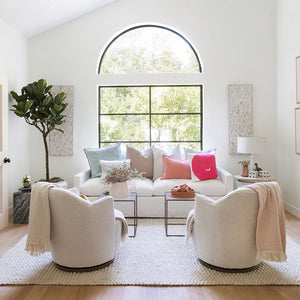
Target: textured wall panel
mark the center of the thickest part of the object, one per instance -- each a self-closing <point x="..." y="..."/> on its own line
<point x="240" y="105"/>
<point x="61" y="144"/>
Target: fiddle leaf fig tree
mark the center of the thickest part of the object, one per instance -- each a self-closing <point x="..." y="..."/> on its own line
<point x="39" y="108"/>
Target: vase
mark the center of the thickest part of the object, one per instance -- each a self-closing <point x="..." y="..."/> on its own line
<point x="245" y="171"/>
<point x="119" y="189"/>
<point x="26" y="184"/>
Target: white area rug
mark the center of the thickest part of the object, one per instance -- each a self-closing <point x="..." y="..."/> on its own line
<point x="149" y="259"/>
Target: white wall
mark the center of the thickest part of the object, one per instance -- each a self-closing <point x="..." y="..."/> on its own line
<point x="288" y="45"/>
<point x="236" y="40"/>
<point x="13" y="64"/>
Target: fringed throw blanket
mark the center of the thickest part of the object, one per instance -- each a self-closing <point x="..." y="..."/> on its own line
<point x="119" y="216"/>
<point x="38" y="240"/>
<point x="270" y="230"/>
<point x="189" y="223"/>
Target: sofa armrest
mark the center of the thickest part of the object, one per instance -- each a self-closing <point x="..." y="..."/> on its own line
<point x="81" y="177"/>
<point x="226" y="178"/>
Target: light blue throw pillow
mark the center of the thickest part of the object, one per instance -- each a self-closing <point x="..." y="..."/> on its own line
<point x="94" y="155"/>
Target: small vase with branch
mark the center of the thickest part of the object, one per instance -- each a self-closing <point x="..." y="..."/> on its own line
<point x="245" y="170"/>
<point x="118" y="178"/>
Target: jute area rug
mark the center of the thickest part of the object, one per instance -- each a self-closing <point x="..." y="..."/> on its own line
<point x="149" y="259"/>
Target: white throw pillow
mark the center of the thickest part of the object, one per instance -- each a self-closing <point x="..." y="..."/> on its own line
<point x="109" y="164"/>
<point x="158" y="161"/>
<point x="208" y="151"/>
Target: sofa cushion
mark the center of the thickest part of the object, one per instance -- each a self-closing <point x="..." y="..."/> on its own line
<point x="158" y="162"/>
<point x="110" y="164"/>
<point x="94" y="155"/>
<point x="143" y="187"/>
<point x="93" y="187"/>
<point x="174" y="168"/>
<point x="198" y="165"/>
<point x="208" y="151"/>
<point x="204" y="166"/>
<point x="142" y="161"/>
<point x="211" y="187"/>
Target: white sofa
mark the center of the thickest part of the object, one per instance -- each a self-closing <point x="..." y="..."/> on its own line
<point x="151" y="193"/>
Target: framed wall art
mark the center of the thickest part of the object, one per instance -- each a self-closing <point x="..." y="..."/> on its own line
<point x="297" y="130"/>
<point x="61" y="144"/>
<point x="240" y="106"/>
<point x="298" y="79"/>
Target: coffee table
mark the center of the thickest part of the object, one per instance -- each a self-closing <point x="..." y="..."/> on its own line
<point x="168" y="199"/>
<point x="132" y="198"/>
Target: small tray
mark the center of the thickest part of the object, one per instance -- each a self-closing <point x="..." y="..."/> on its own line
<point x="183" y="194"/>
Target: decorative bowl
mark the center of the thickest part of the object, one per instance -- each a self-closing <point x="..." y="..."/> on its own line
<point x="183" y="194"/>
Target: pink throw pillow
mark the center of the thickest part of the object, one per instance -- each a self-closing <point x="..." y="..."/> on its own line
<point x="204" y="166"/>
<point x="173" y="168"/>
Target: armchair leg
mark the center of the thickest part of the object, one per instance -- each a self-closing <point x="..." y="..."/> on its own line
<point x="228" y="270"/>
<point x="88" y="269"/>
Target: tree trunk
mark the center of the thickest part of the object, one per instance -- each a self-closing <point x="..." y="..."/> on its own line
<point x="46" y="156"/>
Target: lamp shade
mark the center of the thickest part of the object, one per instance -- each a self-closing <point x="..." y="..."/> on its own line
<point x="251" y="144"/>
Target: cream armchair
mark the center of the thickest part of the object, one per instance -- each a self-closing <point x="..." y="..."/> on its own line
<point x="84" y="235"/>
<point x="224" y="231"/>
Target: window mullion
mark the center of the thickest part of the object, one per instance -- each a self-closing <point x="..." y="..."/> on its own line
<point x="150" y="115"/>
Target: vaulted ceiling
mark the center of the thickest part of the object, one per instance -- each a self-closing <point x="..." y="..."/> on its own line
<point x="31" y="17"/>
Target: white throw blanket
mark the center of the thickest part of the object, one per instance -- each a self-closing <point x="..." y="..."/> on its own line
<point x="38" y="240"/>
<point x="119" y="216"/>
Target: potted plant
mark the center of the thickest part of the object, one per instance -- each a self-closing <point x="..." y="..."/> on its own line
<point x="40" y="109"/>
<point x="26" y="181"/>
<point x="118" y="178"/>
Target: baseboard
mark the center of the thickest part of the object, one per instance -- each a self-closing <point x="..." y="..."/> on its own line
<point x="292" y="209"/>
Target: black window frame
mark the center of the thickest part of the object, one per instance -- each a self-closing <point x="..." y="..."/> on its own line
<point x="145" y="26"/>
<point x="150" y="142"/>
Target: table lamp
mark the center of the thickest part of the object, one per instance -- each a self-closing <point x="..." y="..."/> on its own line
<point x="251" y="145"/>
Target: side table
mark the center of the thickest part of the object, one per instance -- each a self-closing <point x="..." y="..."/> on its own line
<point x="168" y="199"/>
<point x="242" y="181"/>
<point x="132" y="198"/>
<point x="21" y="204"/>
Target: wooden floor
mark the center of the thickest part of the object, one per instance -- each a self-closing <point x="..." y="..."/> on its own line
<point x="13" y="233"/>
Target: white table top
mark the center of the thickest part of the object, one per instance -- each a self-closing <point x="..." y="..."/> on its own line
<point x="257" y="179"/>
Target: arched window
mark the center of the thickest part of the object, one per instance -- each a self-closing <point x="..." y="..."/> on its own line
<point x="150" y="114"/>
<point x="149" y="49"/>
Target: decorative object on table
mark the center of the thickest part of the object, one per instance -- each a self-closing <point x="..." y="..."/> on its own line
<point x="39" y="108"/>
<point x="182" y="191"/>
<point x="61" y="144"/>
<point x="26" y="181"/>
<point x="118" y="178"/>
<point x="297" y="129"/>
<point x="298" y="79"/>
<point x="257" y="168"/>
<point x="251" y="145"/>
<point x="240" y="109"/>
<point x="252" y="174"/>
<point x="21" y="204"/>
<point x="264" y="174"/>
<point x="245" y="169"/>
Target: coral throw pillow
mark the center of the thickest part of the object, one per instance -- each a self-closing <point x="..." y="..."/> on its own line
<point x="173" y="168"/>
<point x="204" y="166"/>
